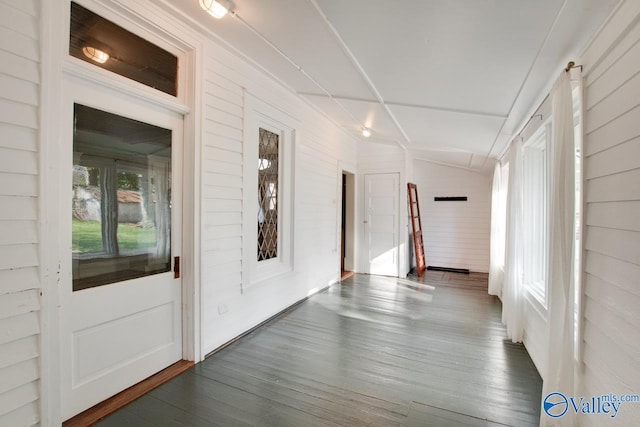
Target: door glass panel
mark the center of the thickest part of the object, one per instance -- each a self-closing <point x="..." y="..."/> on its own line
<point x="121" y="198"/>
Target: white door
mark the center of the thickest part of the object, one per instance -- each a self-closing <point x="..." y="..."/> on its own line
<point x="120" y="300"/>
<point x="381" y="223"/>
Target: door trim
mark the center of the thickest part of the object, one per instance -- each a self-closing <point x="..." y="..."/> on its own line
<point x="112" y="404"/>
<point x="350" y="229"/>
<point x="54" y="23"/>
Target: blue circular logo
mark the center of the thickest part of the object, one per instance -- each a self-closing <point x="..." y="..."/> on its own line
<point x="555" y="404"/>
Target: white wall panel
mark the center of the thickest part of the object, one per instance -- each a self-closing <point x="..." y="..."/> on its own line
<point x="18" y="350"/>
<point x="535" y="335"/>
<point x="19" y="260"/>
<point x="612" y="233"/>
<point x="456" y="234"/>
<point x="319" y="146"/>
<point x="18" y="137"/>
<point x="19" y="44"/>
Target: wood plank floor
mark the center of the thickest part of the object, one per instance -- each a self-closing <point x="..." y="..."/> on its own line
<point x="370" y="351"/>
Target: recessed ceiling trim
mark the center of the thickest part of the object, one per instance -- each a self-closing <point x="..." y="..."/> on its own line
<point x="451" y="165"/>
<point x="403" y="104"/>
<point x="526" y="77"/>
<point x="447" y="110"/>
<point x="342" y="98"/>
<point x="363" y="74"/>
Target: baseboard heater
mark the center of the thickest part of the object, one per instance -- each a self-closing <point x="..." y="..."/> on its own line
<point x="449" y="269"/>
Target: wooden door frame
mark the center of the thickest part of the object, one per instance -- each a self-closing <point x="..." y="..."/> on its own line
<point x="56" y="67"/>
<point x="350" y="233"/>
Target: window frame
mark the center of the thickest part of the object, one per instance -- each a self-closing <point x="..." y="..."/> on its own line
<point x="83" y="70"/>
<point x="270" y="199"/>
<point x="259" y="114"/>
<point x="116" y="56"/>
<point x="536" y="158"/>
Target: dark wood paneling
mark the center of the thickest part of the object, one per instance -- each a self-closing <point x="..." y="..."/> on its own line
<point x="371" y="351"/>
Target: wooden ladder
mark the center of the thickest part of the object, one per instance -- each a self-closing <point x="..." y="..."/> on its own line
<point x="416" y="226"/>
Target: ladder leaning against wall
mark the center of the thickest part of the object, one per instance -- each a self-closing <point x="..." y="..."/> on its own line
<point x="416" y="227"/>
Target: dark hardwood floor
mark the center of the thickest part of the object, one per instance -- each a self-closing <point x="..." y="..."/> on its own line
<point x="370" y="351"/>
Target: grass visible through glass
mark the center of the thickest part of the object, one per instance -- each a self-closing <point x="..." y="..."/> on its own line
<point x="87" y="236"/>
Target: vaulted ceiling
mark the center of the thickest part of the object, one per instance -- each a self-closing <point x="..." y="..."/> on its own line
<point x="450" y="80"/>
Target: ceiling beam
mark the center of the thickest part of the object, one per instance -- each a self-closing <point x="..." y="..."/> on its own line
<point x="403" y="104"/>
<point x="363" y="74"/>
<point x="526" y="77"/>
<point x="419" y="157"/>
<point x="294" y="64"/>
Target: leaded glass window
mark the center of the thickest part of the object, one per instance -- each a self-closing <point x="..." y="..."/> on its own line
<point x="268" y="176"/>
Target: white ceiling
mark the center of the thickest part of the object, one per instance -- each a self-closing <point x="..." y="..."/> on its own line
<point x="450" y="80"/>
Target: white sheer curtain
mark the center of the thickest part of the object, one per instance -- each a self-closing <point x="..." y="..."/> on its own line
<point x="512" y="291"/>
<point x="561" y="364"/>
<point x="498" y="232"/>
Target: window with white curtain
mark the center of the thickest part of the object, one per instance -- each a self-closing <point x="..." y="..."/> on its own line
<point x="535" y="211"/>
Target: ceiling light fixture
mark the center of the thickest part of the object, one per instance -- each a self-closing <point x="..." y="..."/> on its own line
<point x="95" y="54"/>
<point x="216" y="8"/>
<point x="366" y="132"/>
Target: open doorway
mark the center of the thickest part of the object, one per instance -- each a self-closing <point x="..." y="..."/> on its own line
<point x="347" y="229"/>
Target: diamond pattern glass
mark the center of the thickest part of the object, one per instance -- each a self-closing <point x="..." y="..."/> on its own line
<point x="268" y="150"/>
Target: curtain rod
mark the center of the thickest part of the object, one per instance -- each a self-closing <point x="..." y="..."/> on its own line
<point x="570" y="66"/>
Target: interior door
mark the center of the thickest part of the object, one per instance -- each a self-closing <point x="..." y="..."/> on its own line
<point x="120" y="309"/>
<point x="381" y="224"/>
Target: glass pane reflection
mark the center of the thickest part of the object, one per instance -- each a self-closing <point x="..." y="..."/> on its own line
<point x="121" y="219"/>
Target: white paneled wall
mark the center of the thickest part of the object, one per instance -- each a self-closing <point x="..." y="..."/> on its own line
<point x="19" y="275"/>
<point x="456" y="234"/>
<point x="536" y="332"/>
<point x="319" y="150"/>
<point x="612" y="191"/>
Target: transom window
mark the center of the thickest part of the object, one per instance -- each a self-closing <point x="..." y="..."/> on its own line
<point x="102" y="43"/>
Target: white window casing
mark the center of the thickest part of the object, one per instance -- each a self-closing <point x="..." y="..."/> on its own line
<point x="535" y="211"/>
<point x="261" y="115"/>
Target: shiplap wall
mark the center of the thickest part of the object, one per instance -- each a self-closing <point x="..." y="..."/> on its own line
<point x="19" y="275"/>
<point x="320" y="147"/>
<point x="612" y="191"/>
<point x="455" y="234"/>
